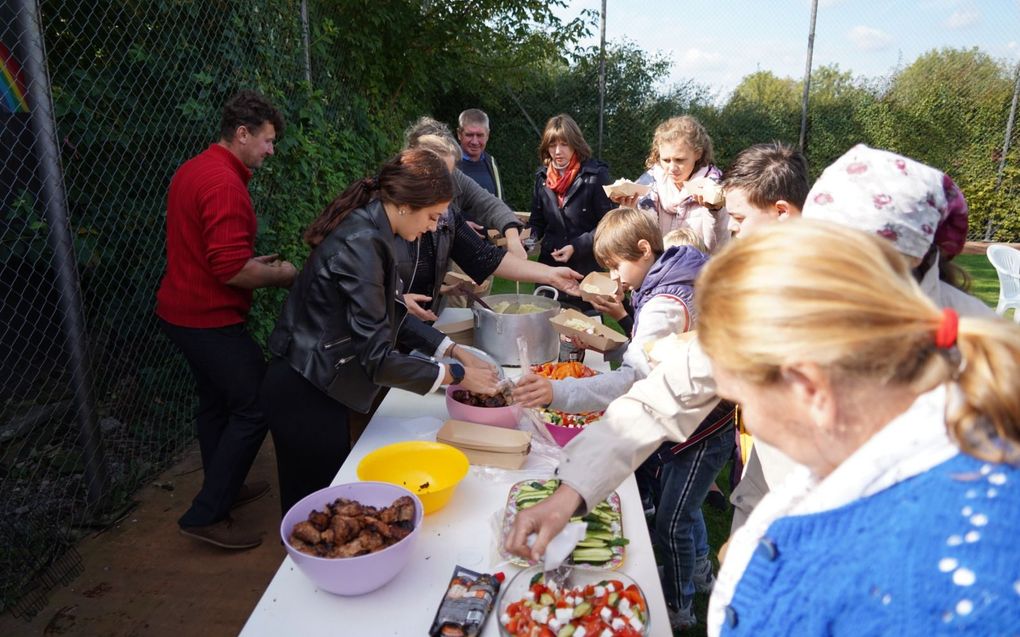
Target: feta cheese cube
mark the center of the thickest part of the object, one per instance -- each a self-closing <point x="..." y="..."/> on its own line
<point x="564" y="614"/>
<point x="580" y="632"/>
<point x="606" y="614"/>
<point x="636" y="624"/>
<point x="624" y="607"/>
<point x="529" y="595"/>
<point x="618" y="623"/>
<point x="600" y="591"/>
<point x="554" y="625"/>
<point x="504" y="619"/>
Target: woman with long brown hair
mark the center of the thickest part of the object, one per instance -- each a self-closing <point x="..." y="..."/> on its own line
<point x="568" y="200"/>
<point x="334" y="345"/>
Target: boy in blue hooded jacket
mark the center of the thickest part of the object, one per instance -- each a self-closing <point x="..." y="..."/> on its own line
<point x="661" y="281"/>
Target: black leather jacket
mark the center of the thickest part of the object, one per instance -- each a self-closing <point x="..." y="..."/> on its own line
<point x="574" y="224"/>
<point x="342" y="319"/>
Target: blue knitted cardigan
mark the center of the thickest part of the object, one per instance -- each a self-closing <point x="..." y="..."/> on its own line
<point x="936" y="554"/>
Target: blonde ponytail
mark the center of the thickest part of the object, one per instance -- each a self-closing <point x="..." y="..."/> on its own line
<point x="987" y="424"/>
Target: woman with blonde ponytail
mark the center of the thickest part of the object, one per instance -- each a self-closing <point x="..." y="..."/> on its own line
<point x="905" y="418"/>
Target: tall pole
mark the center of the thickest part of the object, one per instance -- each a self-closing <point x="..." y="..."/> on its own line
<point x="304" y="36"/>
<point x="807" y="76"/>
<point x="989" y="227"/>
<point x="602" y="75"/>
<point x="52" y="199"/>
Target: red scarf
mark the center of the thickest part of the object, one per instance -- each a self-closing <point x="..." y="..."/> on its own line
<point x="559" y="184"/>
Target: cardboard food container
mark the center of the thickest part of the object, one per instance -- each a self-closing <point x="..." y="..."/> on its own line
<point x="458" y="323"/>
<point x="625" y="188"/>
<point x="710" y="191"/>
<point x="458" y="278"/>
<point x="497" y="239"/>
<point x="484" y="445"/>
<point x="595" y="336"/>
<point x="598" y="285"/>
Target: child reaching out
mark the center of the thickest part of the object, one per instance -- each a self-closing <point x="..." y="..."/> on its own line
<point x="661" y="281"/>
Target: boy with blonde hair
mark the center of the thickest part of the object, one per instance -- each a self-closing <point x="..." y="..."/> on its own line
<point x="629" y="244"/>
<point x="684" y="237"/>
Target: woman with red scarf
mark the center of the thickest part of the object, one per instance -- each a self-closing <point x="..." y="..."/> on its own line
<point x="568" y="201"/>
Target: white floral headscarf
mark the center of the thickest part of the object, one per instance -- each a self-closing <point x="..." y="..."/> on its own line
<point x="884" y="193"/>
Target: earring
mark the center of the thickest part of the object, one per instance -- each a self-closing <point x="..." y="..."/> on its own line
<point x="402" y="212"/>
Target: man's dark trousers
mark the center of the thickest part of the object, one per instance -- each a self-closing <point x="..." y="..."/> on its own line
<point x="228" y="367"/>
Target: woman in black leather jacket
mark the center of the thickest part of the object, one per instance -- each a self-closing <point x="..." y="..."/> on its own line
<point x="568" y="201"/>
<point x="423" y="264"/>
<point x="334" y="345"/>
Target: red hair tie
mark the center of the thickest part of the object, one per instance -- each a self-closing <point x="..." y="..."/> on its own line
<point x="945" y="335"/>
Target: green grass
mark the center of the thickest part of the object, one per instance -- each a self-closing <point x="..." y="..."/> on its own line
<point x="984" y="281"/>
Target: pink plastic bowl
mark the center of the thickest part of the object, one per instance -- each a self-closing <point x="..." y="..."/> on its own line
<point x="352" y="575"/>
<point x="562" y="435"/>
<point x="507" y="417"/>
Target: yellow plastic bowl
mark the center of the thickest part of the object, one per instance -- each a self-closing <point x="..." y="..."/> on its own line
<point x="430" y="470"/>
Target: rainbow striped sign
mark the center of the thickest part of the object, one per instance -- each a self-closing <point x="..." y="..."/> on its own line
<point x="12" y="84"/>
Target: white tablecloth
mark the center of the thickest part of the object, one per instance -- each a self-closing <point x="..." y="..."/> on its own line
<point x="462" y="533"/>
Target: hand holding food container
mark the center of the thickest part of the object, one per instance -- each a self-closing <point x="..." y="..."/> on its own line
<point x="625" y="192"/>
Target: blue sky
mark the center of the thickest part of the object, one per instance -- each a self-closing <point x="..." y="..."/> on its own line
<point x="718" y="42"/>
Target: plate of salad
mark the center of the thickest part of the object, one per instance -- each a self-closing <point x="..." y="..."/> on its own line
<point x="603" y="546"/>
<point x="587" y="604"/>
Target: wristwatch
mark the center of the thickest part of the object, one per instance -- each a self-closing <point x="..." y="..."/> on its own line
<point x="457" y="372"/>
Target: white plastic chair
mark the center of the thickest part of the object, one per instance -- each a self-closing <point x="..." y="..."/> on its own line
<point x="1006" y="261"/>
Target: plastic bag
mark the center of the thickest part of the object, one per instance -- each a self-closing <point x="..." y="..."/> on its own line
<point x="542" y="442"/>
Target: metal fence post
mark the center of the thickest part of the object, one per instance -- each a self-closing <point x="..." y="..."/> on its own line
<point x="989" y="227"/>
<point x="304" y="37"/>
<point x="54" y="201"/>
<point x="602" y="75"/>
<point x="807" y="76"/>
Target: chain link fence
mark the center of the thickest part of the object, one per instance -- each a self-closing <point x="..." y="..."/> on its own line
<point x="102" y="100"/>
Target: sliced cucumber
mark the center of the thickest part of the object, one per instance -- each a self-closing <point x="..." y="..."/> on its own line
<point x="592" y="555"/>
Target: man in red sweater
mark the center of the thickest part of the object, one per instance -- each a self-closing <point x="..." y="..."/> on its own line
<point x="203" y="304"/>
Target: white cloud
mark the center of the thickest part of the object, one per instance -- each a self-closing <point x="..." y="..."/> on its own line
<point x="700" y="58"/>
<point x="963" y="18"/>
<point x="869" y="38"/>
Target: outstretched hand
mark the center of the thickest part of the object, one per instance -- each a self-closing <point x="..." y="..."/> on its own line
<point x="565" y="280"/>
<point x="533" y="390"/>
<point x="546" y="519"/>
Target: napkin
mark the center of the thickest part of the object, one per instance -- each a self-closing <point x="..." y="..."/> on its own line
<point x="561" y="546"/>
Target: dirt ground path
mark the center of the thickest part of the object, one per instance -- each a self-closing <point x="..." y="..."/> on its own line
<point x="142" y="578"/>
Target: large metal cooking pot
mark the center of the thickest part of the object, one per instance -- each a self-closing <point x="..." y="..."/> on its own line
<point x="497" y="333"/>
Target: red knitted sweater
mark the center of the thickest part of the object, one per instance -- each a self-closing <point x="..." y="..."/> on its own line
<point x="210" y="235"/>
